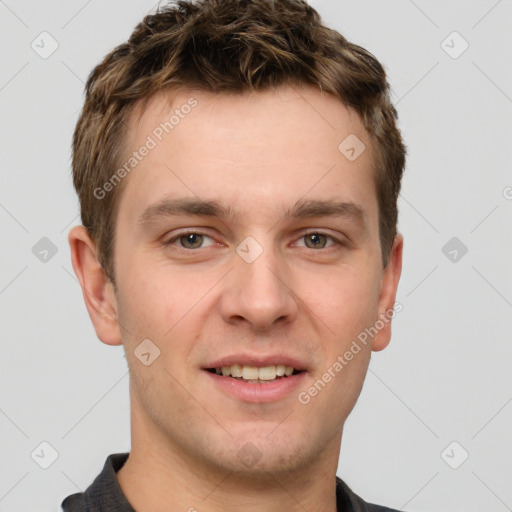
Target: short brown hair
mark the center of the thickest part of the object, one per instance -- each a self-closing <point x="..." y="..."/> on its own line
<point x="235" y="46"/>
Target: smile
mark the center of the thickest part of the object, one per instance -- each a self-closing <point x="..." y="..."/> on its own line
<point x="255" y="374"/>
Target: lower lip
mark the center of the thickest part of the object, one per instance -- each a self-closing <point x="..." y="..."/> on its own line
<point x="255" y="392"/>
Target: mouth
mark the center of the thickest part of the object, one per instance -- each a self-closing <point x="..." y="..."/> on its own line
<point x="253" y="383"/>
<point x="255" y="374"/>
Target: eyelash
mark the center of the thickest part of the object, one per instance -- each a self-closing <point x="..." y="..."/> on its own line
<point x="170" y="242"/>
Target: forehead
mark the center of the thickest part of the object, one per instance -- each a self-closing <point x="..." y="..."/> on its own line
<point x="260" y="113"/>
<point x="254" y="149"/>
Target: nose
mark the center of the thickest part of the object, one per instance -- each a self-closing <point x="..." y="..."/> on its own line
<point x="259" y="292"/>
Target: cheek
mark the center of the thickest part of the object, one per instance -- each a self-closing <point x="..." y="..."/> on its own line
<point x="348" y="301"/>
<point x="143" y="305"/>
<point x="162" y="305"/>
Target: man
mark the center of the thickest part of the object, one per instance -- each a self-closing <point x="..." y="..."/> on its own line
<point x="238" y="166"/>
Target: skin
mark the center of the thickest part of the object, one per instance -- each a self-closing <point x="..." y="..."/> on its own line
<point x="257" y="153"/>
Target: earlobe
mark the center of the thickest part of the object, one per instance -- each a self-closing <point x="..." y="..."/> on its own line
<point x="390" y="279"/>
<point x="97" y="289"/>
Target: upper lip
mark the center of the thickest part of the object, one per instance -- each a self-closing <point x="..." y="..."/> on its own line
<point x="257" y="360"/>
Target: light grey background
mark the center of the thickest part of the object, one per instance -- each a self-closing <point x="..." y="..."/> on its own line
<point x="445" y="377"/>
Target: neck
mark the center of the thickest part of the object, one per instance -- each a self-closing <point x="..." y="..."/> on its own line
<point x="158" y="476"/>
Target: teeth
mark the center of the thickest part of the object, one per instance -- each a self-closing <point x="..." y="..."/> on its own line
<point x="250" y="372"/>
<point x="280" y="370"/>
<point x="267" y="373"/>
<point x="236" y="370"/>
<point x="255" y="374"/>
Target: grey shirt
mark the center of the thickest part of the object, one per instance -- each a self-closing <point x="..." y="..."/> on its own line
<point x="105" y="494"/>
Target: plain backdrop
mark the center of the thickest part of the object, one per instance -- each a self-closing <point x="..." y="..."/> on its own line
<point x="432" y="428"/>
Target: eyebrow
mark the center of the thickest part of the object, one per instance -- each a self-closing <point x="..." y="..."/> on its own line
<point x="302" y="209"/>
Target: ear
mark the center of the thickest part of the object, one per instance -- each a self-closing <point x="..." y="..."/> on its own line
<point x="389" y="285"/>
<point x="97" y="289"/>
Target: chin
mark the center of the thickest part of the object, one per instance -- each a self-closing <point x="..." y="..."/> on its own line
<point x="261" y="454"/>
<point x="250" y="462"/>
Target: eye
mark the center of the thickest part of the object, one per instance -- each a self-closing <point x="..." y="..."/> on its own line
<point x="189" y="240"/>
<point x="317" y="240"/>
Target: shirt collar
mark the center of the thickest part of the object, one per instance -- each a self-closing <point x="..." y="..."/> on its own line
<point x="104" y="493"/>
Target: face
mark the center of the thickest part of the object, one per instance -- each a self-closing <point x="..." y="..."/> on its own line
<point x="247" y="244"/>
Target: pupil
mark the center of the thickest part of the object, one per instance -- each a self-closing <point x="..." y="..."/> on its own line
<point x="191" y="238"/>
<point x="315" y="238"/>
